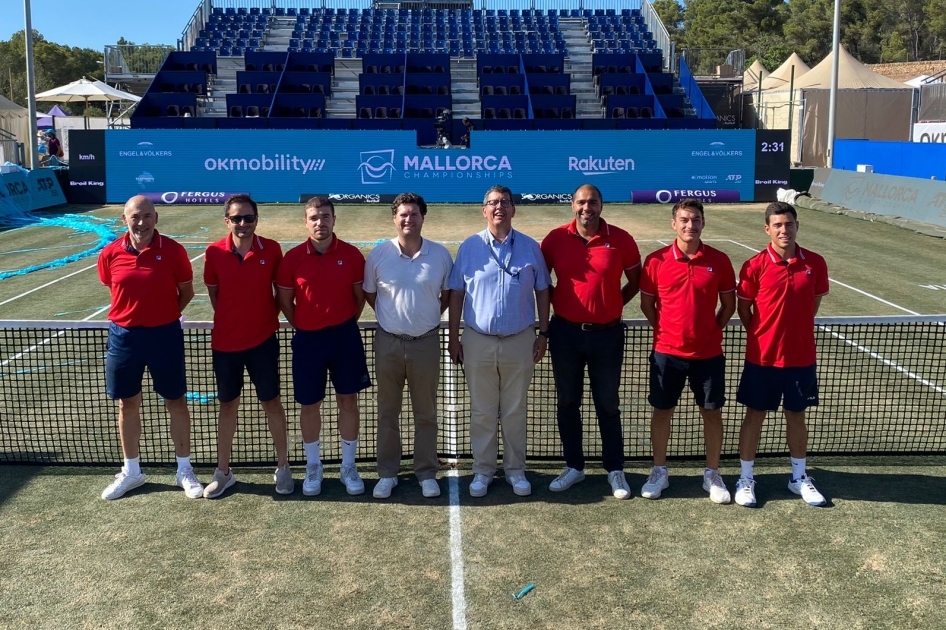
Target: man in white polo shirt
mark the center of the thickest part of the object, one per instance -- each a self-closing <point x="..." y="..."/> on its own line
<point x="406" y="285"/>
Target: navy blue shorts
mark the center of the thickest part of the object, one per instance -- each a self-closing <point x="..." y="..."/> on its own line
<point x="130" y="350"/>
<point x="262" y="364"/>
<point x="336" y="351"/>
<point x="763" y="387"/>
<point x="668" y="375"/>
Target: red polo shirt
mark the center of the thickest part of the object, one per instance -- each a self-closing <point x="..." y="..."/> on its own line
<point x="144" y="284"/>
<point x="687" y="291"/>
<point x="589" y="274"/>
<point x="246" y="313"/>
<point x="322" y="282"/>
<point x="782" y="331"/>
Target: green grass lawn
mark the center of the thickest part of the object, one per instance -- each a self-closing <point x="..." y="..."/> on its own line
<point x="154" y="559"/>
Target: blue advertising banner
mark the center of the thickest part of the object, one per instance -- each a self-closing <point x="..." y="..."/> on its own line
<point x="22" y="192"/>
<point x="282" y="166"/>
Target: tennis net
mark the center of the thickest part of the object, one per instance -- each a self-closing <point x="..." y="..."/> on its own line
<point x="882" y="382"/>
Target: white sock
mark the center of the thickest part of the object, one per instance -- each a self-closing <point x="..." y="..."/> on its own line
<point x="798" y="468"/>
<point x="183" y="463"/>
<point x="133" y="466"/>
<point x="312" y="455"/>
<point x="662" y="469"/>
<point x="709" y="472"/>
<point x="747" y="468"/>
<point x="348" y="451"/>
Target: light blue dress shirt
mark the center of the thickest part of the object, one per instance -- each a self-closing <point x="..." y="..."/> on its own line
<point x="500" y="280"/>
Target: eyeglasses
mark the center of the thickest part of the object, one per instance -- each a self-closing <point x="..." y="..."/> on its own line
<point x="242" y="218"/>
<point x="494" y="203"/>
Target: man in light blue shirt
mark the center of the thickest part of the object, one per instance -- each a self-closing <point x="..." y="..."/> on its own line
<point x="498" y="279"/>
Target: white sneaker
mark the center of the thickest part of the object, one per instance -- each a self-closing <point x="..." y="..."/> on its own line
<point x="714" y="484"/>
<point x="382" y="489"/>
<point x="745" y="492"/>
<point x="430" y="488"/>
<point x="312" y="485"/>
<point x="479" y="485"/>
<point x="352" y="480"/>
<point x="806" y="488"/>
<point x="188" y="480"/>
<point x="657" y="482"/>
<point x="567" y="479"/>
<point x="520" y="485"/>
<point x="122" y="484"/>
<point x="619" y="487"/>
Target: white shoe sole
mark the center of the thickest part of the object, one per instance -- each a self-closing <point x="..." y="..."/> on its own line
<point x="654" y="495"/>
<point x="564" y="488"/>
<point x="311" y="493"/>
<point x="519" y="492"/>
<point x="136" y="484"/>
<point x="219" y="492"/>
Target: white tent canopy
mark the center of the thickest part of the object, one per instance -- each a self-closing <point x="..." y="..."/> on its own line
<point x="780" y="78"/>
<point x="15" y="120"/>
<point x="870" y="107"/>
<point x="752" y="76"/>
<point x="852" y="75"/>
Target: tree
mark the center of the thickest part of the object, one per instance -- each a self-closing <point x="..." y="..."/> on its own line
<point x="53" y="65"/>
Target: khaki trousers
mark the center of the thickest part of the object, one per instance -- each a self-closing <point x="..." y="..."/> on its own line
<point x="418" y="363"/>
<point x="498" y="373"/>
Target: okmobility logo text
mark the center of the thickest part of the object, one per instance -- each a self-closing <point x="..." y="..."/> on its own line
<point x="600" y="165"/>
<point x="278" y="162"/>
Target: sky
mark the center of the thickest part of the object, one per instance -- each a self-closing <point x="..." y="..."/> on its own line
<point x="97" y="23"/>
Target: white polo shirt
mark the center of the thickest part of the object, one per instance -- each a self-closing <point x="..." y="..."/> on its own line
<point x="408" y="288"/>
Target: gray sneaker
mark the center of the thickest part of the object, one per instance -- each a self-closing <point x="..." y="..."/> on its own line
<point x="284" y="481"/>
<point x="219" y="484"/>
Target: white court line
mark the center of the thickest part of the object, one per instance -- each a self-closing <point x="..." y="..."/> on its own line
<point x="60" y="333"/>
<point x="662" y="243"/>
<point x="458" y="596"/>
<point x="846" y="286"/>
<point x="456" y="553"/>
<point x="46" y="285"/>
<point x="885" y="361"/>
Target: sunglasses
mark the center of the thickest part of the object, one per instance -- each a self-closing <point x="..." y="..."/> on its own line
<point x="242" y="218"/>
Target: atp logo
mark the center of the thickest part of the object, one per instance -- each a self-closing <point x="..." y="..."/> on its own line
<point x="377" y="167"/>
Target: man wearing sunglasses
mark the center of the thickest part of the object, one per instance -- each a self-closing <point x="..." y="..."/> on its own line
<point x="590" y="259"/>
<point x="240" y="274"/>
<point x="498" y="280"/>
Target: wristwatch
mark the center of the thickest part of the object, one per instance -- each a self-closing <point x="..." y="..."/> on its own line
<point x="544" y="333"/>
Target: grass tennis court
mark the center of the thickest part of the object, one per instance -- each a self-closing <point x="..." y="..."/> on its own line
<point x="876" y="269"/>
<point x="157" y="560"/>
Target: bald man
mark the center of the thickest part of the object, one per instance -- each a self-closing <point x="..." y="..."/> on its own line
<point x="150" y="279"/>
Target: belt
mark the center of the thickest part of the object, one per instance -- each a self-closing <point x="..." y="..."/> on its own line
<point x="592" y="327"/>
<point x="429" y="333"/>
